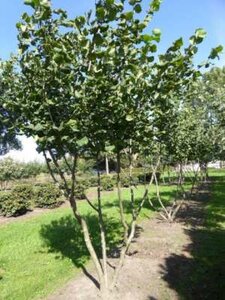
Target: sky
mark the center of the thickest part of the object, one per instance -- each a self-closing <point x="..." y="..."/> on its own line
<point x="176" y="18"/>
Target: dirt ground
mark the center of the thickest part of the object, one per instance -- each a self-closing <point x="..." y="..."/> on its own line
<point x="144" y="275"/>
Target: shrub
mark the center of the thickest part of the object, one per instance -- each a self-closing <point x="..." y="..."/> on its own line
<point x="11" y="206"/>
<point x="23" y="192"/>
<point x="125" y="180"/>
<point x="4" y="197"/>
<point x="84" y="182"/>
<point x="80" y="191"/>
<point x="47" y="196"/>
<point x="92" y="181"/>
<point x="107" y="183"/>
<point x="147" y="177"/>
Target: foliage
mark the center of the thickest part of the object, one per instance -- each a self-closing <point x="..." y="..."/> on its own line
<point x="12" y="206"/>
<point x="146" y="177"/>
<point x="107" y="183"/>
<point x="11" y="170"/>
<point x="8" y="138"/>
<point x="17" y="201"/>
<point x="3" y="198"/>
<point x="23" y="191"/>
<point x="47" y="196"/>
<point x="80" y="190"/>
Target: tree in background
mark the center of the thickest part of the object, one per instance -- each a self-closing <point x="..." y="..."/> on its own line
<point x="8" y="139"/>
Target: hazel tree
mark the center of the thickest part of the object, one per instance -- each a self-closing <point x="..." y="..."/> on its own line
<point x="95" y="84"/>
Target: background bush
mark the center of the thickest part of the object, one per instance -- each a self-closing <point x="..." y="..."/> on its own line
<point x="80" y="190"/>
<point x="23" y="192"/>
<point x="107" y="183"/>
<point x="47" y="196"/>
<point x="12" y="206"/>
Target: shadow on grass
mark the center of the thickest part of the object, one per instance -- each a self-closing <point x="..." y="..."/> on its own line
<point x="200" y="272"/>
<point x="65" y="238"/>
<point x="166" y="196"/>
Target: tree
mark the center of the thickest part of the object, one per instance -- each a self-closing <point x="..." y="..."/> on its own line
<point x="94" y="87"/>
<point x="8" y="139"/>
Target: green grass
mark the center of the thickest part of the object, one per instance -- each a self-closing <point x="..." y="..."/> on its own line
<point x="40" y="254"/>
<point x="209" y="244"/>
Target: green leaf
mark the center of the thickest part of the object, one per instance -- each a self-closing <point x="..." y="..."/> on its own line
<point x="155" y="5"/>
<point x="32" y="3"/>
<point x="215" y="52"/>
<point x="98" y="39"/>
<point x="200" y="33"/>
<point x="178" y="43"/>
<point x="110" y="2"/>
<point x="156" y="31"/>
<point x="82" y="142"/>
<point x="45" y="3"/>
<point x="138" y="8"/>
<point x="133" y="2"/>
<point x="100" y="13"/>
<point x="72" y="123"/>
<point x="38" y="127"/>
<point x="129" y="15"/>
<point x="146" y="38"/>
<point x="109" y="148"/>
<point x="129" y="118"/>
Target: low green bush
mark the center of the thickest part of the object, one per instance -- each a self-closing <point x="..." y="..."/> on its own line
<point x="13" y="204"/>
<point x="107" y="183"/>
<point x="47" y="196"/>
<point x="80" y="191"/>
<point x="4" y="196"/>
<point x="13" y="207"/>
<point x="125" y="181"/>
<point x="23" y="192"/>
<point x="147" y="177"/>
<point x="92" y="181"/>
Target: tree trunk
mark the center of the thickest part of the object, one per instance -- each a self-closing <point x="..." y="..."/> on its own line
<point x="122" y="218"/>
<point x="103" y="236"/>
<point x="106" y="165"/>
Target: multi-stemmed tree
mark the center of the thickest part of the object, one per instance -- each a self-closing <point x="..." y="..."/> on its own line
<point x="94" y="84"/>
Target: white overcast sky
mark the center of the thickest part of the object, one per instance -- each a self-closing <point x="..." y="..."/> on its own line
<point x="28" y="153"/>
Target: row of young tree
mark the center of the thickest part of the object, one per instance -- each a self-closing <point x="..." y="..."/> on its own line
<point x="95" y="85"/>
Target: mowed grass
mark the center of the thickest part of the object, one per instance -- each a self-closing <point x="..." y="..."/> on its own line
<point x="40" y="254"/>
<point x="208" y="278"/>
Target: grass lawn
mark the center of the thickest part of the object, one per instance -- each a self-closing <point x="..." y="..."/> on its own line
<point x="39" y="254"/>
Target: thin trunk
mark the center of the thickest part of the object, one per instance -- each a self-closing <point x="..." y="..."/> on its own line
<point x="135" y="214"/>
<point x="106" y="165"/>
<point x="123" y="253"/>
<point x="159" y="198"/>
<point x="131" y="184"/>
<point x="103" y="234"/>
<point x="122" y="218"/>
<point x="71" y="197"/>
